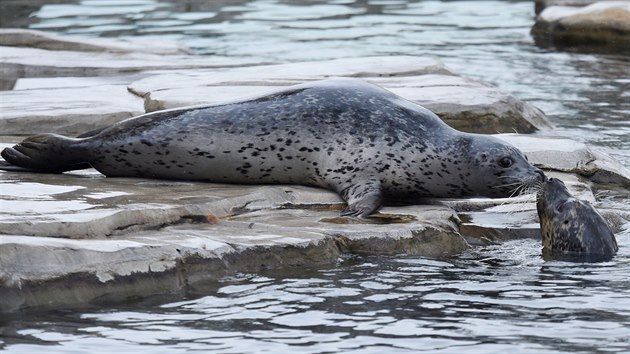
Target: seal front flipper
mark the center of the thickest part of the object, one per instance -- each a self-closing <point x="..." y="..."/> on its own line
<point x="48" y="153"/>
<point x="363" y="198"/>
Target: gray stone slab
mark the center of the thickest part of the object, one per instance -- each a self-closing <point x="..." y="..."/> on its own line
<point x="74" y="105"/>
<point x="566" y="155"/>
<point x="19" y="37"/>
<point x="34" y="62"/>
<point x="464" y="104"/>
<point x="542" y="4"/>
<point x="36" y="271"/>
<point x="66" y="110"/>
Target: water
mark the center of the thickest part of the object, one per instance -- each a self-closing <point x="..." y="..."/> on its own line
<point x="489" y="300"/>
<point x="494" y="299"/>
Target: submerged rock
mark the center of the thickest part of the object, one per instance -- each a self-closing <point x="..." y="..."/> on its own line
<point x="29" y="53"/>
<point x="603" y="24"/>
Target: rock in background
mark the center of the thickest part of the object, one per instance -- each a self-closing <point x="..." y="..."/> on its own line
<point x="587" y="25"/>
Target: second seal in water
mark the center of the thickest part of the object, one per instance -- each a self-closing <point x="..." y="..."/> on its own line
<point x="571" y="228"/>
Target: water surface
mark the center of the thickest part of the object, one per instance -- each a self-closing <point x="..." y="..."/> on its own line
<point x="488" y="300"/>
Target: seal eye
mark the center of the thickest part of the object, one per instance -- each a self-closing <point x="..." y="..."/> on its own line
<point x="505" y="162"/>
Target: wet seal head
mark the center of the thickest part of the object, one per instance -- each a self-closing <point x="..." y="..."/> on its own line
<point x="571" y="228"/>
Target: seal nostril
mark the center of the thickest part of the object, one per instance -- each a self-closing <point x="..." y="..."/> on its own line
<point x="542" y="175"/>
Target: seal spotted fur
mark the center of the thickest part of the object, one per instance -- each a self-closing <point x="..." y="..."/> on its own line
<point x="355" y="138"/>
<point x="571" y="228"/>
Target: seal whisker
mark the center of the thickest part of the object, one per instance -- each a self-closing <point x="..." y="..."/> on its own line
<point x="507" y="185"/>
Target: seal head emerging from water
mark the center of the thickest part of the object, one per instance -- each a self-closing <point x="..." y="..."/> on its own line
<point x="352" y="137"/>
<point x="571" y="228"/>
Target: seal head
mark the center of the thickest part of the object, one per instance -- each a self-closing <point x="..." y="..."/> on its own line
<point x="502" y="169"/>
<point x="571" y="228"/>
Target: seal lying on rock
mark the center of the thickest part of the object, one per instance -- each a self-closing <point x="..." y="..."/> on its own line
<point x="346" y="135"/>
<point x="572" y="229"/>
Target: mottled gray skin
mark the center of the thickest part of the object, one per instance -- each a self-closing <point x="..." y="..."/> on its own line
<point x="346" y="135"/>
<point x="572" y="229"/>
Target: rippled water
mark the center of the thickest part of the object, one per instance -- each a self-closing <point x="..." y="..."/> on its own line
<point x="494" y="299"/>
<point x="489" y="300"/>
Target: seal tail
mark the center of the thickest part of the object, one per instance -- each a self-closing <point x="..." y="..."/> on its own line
<point x="48" y="153"/>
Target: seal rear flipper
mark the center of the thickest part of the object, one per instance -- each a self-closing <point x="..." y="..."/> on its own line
<point x="363" y="198"/>
<point x="48" y="153"/>
<point x="5" y="166"/>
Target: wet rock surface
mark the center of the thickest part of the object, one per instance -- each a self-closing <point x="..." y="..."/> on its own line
<point x="69" y="69"/>
<point x="462" y="103"/>
<point x="79" y="237"/>
<point x="603" y="25"/>
<point x="69" y="239"/>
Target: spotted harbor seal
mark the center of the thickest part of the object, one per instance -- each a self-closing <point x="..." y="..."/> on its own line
<point x="571" y="228"/>
<point x="347" y="135"/>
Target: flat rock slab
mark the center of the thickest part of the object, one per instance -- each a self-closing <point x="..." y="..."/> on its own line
<point x="286" y="74"/>
<point x="464" y="104"/>
<point x="604" y="24"/>
<point x="67" y="110"/>
<point x="111" y="233"/>
<point x="180" y="260"/>
<point x="566" y="155"/>
<point x="77" y="238"/>
<point x="77" y="104"/>
<point x="35" y="62"/>
<point x="543" y="4"/>
<point x="18" y="37"/>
